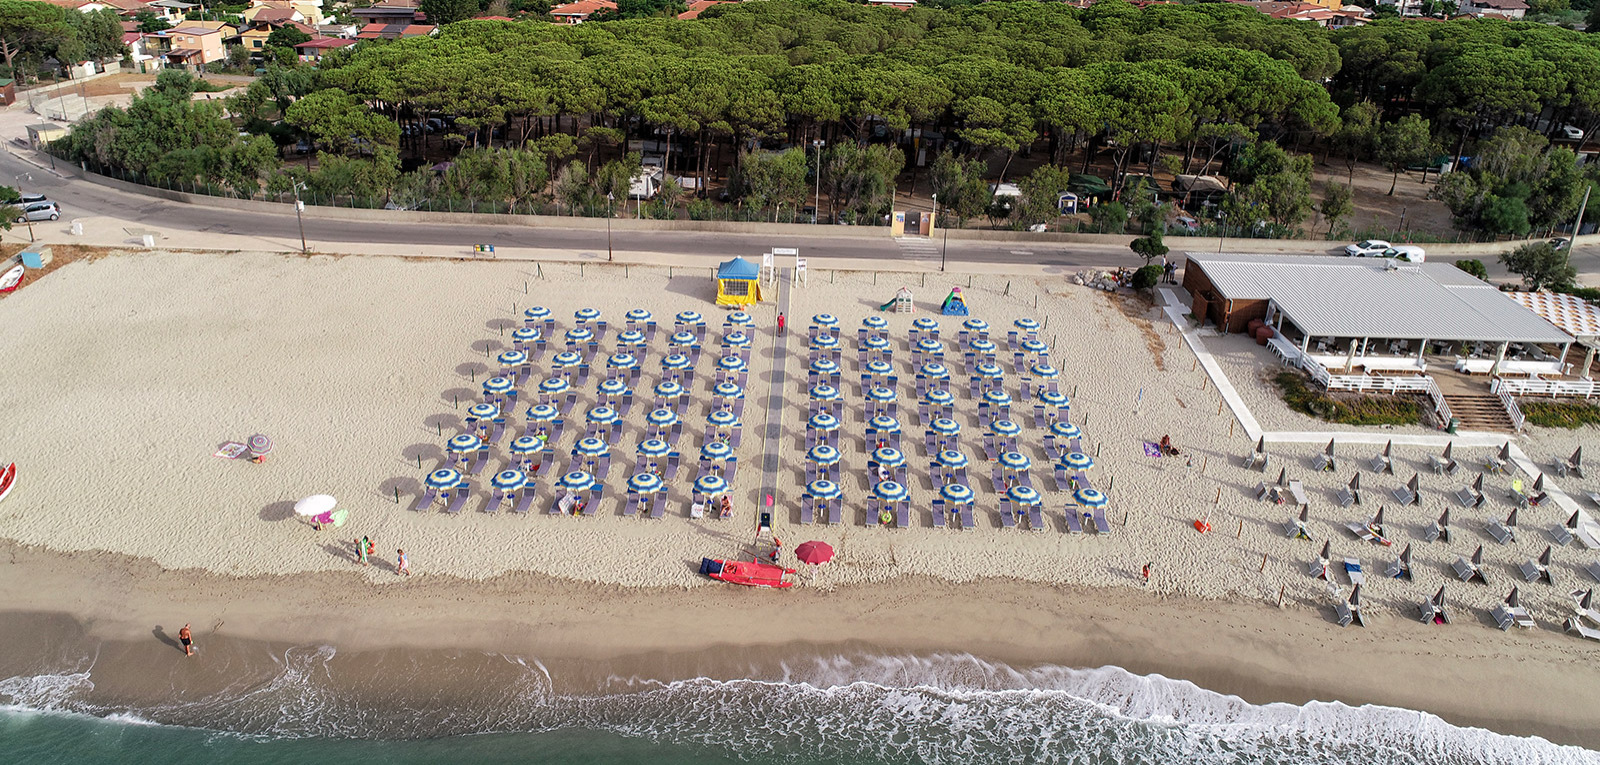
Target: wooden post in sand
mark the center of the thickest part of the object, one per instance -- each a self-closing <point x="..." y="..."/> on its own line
<point x="1230" y="428"/>
<point x="1280" y="595"/>
<point x="1204" y="461"/>
<point x="1218" y="500"/>
<point x="1264" y="570"/>
<point x="1240" y="533"/>
<point x="397" y="488"/>
<point x="1194" y="364"/>
<point x="1219" y="406"/>
<point x="524" y="286"/>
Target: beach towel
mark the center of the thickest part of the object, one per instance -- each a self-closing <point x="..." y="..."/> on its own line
<point x="231" y="450"/>
<point x="1152" y="449"/>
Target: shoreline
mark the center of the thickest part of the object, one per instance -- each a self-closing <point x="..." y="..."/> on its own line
<point x="1254" y="651"/>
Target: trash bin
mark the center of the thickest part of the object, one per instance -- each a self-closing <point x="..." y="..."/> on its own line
<point x="1455" y="422"/>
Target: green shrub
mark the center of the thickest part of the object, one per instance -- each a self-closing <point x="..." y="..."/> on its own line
<point x="1475" y="267"/>
<point x="1147" y="277"/>
<point x="701" y="209"/>
<point x="1299" y="394"/>
<point x="1560" y="414"/>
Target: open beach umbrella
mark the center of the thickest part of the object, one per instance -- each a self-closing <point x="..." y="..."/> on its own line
<point x="631" y="338"/>
<point x="880" y="393"/>
<point x="483" y="411"/>
<point x="888" y="456"/>
<point x="825" y="320"/>
<point x="884" y="423"/>
<point x="536" y="313"/>
<point x="824" y="392"/>
<point x="716" y="451"/>
<point x="1027" y="325"/>
<point x="823" y="455"/>
<point x="566" y="360"/>
<point x="259" y="444"/>
<point x="945" y="426"/>
<point x="711" y="485"/>
<point x="512" y="358"/>
<point x="689" y="317"/>
<point x="603" y="415"/>
<point x="878" y="367"/>
<point x="1077" y="461"/>
<point x="586" y="314"/>
<point x="1023" y="495"/>
<point x="622" y="361"/>
<point x="875" y="343"/>
<point x="509" y="480"/>
<point x="823" y="489"/>
<point x="976" y="325"/>
<point x="824" y="342"/>
<point x="1064" y="429"/>
<point x="934" y="371"/>
<point x="1044" y="371"/>
<point x="722" y="418"/>
<point x="956" y="493"/>
<point x="542" y="413"/>
<point x="466" y="443"/>
<point x="989" y="370"/>
<point x="590" y="447"/>
<point x="662" y="418"/>
<point x="1091" y="497"/>
<point x="526" y="445"/>
<point x="929" y="345"/>
<point x="1036" y="347"/>
<point x="813" y="553"/>
<point x="940" y="397"/>
<point x="525" y="335"/>
<point x="951" y="459"/>
<point x="741" y="319"/>
<point x="731" y="364"/>
<point x="580" y="335"/>
<point x="654" y="447"/>
<point x="613" y="387"/>
<point x="736" y="340"/>
<point x="669" y="389"/>
<point x="645" y="483"/>
<point x="638" y="314"/>
<point x="925" y="324"/>
<point x="728" y="389"/>
<point x="684" y="338"/>
<point x="676" y="361"/>
<point x="443" y="479"/>
<point x="554" y="386"/>
<point x="823" y="421"/>
<point x="996" y="397"/>
<point x="889" y="491"/>
<point x="576" y="480"/>
<point x="318" y="504"/>
<point x="1004" y="428"/>
<point x="874" y="322"/>
<point x="825" y="367"/>
<point x="1015" y="461"/>
<point x="982" y="345"/>
<point x="1053" y="398"/>
<point x="498" y="386"/>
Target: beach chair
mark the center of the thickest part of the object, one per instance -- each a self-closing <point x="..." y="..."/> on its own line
<point x="1319" y="567"/>
<point x="731" y="469"/>
<point x="1324" y="462"/>
<point x="1074" y="522"/>
<point x="1296" y="528"/>
<point x="938" y="514"/>
<point x="1008" y="514"/>
<point x="1562" y="535"/>
<point x="1470" y="570"/>
<point x="1346" y="497"/>
<point x="1573" y="625"/>
<point x="674" y="459"/>
<point x="902" y="515"/>
<point x="459" y="499"/>
<point x="477" y="461"/>
<point x="1101" y="524"/>
<point x="1401" y="567"/>
<point x="1035" y="518"/>
<point x="1467" y="497"/>
<point x="965" y="514"/>
<point x="1381" y="464"/>
<point x="808" y="510"/>
<point x="630" y="507"/>
<point x="1352" y="569"/>
<point x="524" y="500"/>
<point x="1504" y="532"/>
<point x="1298" y="491"/>
<point x="426" y="500"/>
<point x="835" y="511"/>
<point x="547" y="458"/>
<point x="1439" y="531"/>
<point x="1433" y="609"/>
<point x="592" y="507"/>
<point x="658" y="505"/>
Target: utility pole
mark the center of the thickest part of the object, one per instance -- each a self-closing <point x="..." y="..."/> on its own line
<point x="1577" y="225"/>
<point x="298" y="207"/>
<point x="609" y="200"/>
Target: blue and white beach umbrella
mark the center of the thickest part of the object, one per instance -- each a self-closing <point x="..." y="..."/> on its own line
<point x="736" y="340"/>
<point x="825" y="320"/>
<point x="1023" y="495"/>
<point x="929" y="345"/>
<point x="622" y="361"/>
<point x="823" y="421"/>
<point x="576" y="480"/>
<point x="689" y="317"/>
<point x="996" y="397"/>
<point x="580" y="335"/>
<point x="1091" y="497"/>
<point x="880" y="393"/>
<point x="981" y="345"/>
<point x="590" y="447"/>
<point x="945" y="426"/>
<point x="888" y="456"/>
<point x="1064" y="429"/>
<point x="1033" y="346"/>
<point x="716" y="450"/>
<point x="498" y="386"/>
<point x="824" y="342"/>
<point x="509" y="480"/>
<point x="676" y="362"/>
<point x="603" y="415"/>
<point x="1004" y="428"/>
<point x="935" y="371"/>
<point x="825" y="367"/>
<point x="542" y="413"/>
<point x="613" y="388"/>
<point x="1027" y="325"/>
<point x="889" y="491"/>
<point x="728" y="389"/>
<point x="669" y="389"/>
<point x="823" y="455"/>
<point x="925" y="324"/>
<point x="823" y="488"/>
<point x="824" y="392"/>
<point x="1053" y="398"/>
<point x="874" y="322"/>
<point x="525" y="335"/>
<point x="878" y="368"/>
<point x="483" y="411"/>
<point x="466" y="443"/>
<point x="956" y="493"/>
<point x="684" y="339"/>
<point x="884" y="424"/>
<point x="731" y="364"/>
<point x="554" y="386"/>
<point x="512" y="358"/>
<point x="630" y="338"/>
<point x="586" y="314"/>
<point x="444" y="479"/>
<point x="1077" y="461"/>
<point x="740" y="319"/>
<point x="875" y="343"/>
<point x="526" y="445"/>
<point x="711" y="485"/>
<point x="976" y="325"/>
<point x="645" y="483"/>
<point x="951" y="459"/>
<point x="662" y="418"/>
<point x="722" y="418"/>
<point x="989" y="370"/>
<point x="654" y="447"/>
<point x="638" y="314"/>
<point x="566" y="360"/>
<point x="536" y="313"/>
<point x="1015" y="461"/>
<point x="940" y="397"/>
<point x="1044" y="371"/>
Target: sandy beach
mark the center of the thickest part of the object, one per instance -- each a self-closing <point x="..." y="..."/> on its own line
<point x="125" y="373"/>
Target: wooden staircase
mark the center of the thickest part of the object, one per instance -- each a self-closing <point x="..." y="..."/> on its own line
<point x="1479" y="411"/>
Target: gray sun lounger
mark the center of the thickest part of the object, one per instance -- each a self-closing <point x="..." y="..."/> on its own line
<point x="1035" y="519"/>
<point x="476" y="463"/>
<point x="658" y="505"/>
<point x="902" y="515"/>
<point x="1008" y="514"/>
<point x="808" y="512"/>
<point x="938" y="514"/>
<point x="1074" y="525"/>
<point x="1101" y="525"/>
<point x="429" y="496"/>
<point x="835" y="511"/>
<point x="524" y="499"/>
<point x="966" y="517"/>
<point x="630" y="506"/>
<point x="1572" y="624"/>
<point x="460" y="499"/>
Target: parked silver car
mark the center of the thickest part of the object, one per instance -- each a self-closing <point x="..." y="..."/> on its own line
<point x="39" y="211"/>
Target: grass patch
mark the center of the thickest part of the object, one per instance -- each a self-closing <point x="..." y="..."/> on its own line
<point x="1302" y="397"/>
<point x="1560" y="414"/>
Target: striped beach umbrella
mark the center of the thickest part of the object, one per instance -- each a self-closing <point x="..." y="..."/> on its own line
<point x="741" y="319"/>
<point x="542" y="413"/>
<point x="622" y="361"/>
<point x="536" y="313"/>
<point x="1091" y="497"/>
<point x="711" y="485"/>
<point x="884" y="424"/>
<point x="956" y="493"/>
<point x="824" y="392"/>
<point x="925" y="324"/>
<point x="677" y="361"/>
<point x="736" y="340"/>
<point x="654" y="447"/>
<point x="874" y="322"/>
<point x="1044" y="371"/>
<point x="259" y="444"/>
<point x="1033" y="346"/>
<point x="982" y="345"/>
<point x="525" y="335"/>
<point x="566" y="360"/>
<point x="940" y="397"/>
<point x="689" y="317"/>
<point x="824" y="342"/>
<point x="716" y="450"/>
<point x="823" y="489"/>
<point x="823" y="421"/>
<point x="498" y="386"/>
<point x="888" y="456"/>
<point x="823" y="455"/>
<point x="645" y="483"/>
<point x="1004" y="428"/>
<point x="669" y="389"/>
<point x="444" y="479"/>
<point x="1027" y="325"/>
<point x="590" y="447"/>
<point x="878" y="367"/>
<point x="976" y="325"/>
<point x="638" y="315"/>
<point x="945" y="426"/>
<point x="509" y="480"/>
<point x="875" y="343"/>
<point x="631" y="338"/>
<point x="586" y="314"/>
<point x="1077" y="461"/>
<point x="512" y="358"/>
<point x="1015" y="461"/>
<point x="613" y="388"/>
<point x="929" y="345"/>
<point x="1023" y="495"/>
<point x="951" y="459"/>
<point x="526" y="445"/>
<point x="466" y="443"/>
<point x="1064" y="429"/>
<point x="580" y="335"/>
<point x="603" y="415"/>
<point x="554" y="386"/>
<point x="483" y="411"/>
<point x="731" y="364"/>
<point x="722" y="418"/>
<point x="988" y="370"/>
<point x="1053" y="398"/>
<point x="728" y="390"/>
<point x="889" y="491"/>
<point x="683" y="339"/>
<point x="880" y="393"/>
<point x="934" y="371"/>
<point x="996" y="397"/>
<point x="576" y="480"/>
<point x="825" y="320"/>
<point x="662" y="418"/>
<point x="825" y="367"/>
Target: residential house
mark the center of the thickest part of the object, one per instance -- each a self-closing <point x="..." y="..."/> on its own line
<point x="228" y="31"/>
<point x="389" y="13"/>
<point x="1404" y="7"/>
<point x="272" y="17"/>
<point x="901" y="4"/>
<point x="255" y="38"/>
<point x="310" y="11"/>
<point x="580" y="11"/>
<point x="193" y="47"/>
<point x="170" y="11"/>
<point x="1505" y="9"/>
<point x="699" y="6"/>
<point x="337" y="29"/>
<point x="395" y="31"/>
<point x="312" y="51"/>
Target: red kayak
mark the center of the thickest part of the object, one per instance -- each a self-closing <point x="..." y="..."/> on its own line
<point x="8" y="478"/>
<point x="750" y="574"/>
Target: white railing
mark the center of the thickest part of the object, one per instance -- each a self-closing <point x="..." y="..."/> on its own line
<point x="1512" y="410"/>
<point x="1440" y="406"/>
<point x="1411" y="384"/>
<point x="1580" y="388"/>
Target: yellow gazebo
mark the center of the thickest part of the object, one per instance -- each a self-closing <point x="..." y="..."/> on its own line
<point x="738" y="283"/>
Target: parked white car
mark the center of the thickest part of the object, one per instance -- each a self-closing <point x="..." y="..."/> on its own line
<point x="1367" y="248"/>
<point x="1405" y="252"/>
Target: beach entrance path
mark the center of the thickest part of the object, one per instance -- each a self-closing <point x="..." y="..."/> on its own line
<point x="771" y="436"/>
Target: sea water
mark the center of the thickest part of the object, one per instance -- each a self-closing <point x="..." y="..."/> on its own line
<point x="834" y="709"/>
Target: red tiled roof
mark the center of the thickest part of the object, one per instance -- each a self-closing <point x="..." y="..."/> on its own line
<point x="416" y="30"/>
<point x="698" y="6"/>
<point x="275" y="15"/>
<point x="326" y="42"/>
<point x="492" y="18"/>
<point x="582" y="8"/>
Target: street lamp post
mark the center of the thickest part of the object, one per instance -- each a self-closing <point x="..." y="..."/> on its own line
<point x="609" y="200"/>
<point x="944" y="252"/>
<point x="25" y="218"/>
<point x="298" y="207"/>
<point x="816" y="204"/>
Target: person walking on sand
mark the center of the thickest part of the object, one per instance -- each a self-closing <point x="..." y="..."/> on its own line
<point x="402" y="563"/>
<point x="1146" y="573"/>
<point x="187" y="639"/>
<point x="363" y="549"/>
<point x="780" y="323"/>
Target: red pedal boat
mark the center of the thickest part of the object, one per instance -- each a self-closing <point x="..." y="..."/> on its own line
<point x="748" y="573"/>
<point x="8" y="478"/>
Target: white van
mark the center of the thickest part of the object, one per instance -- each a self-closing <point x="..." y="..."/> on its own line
<point x="1405" y="252"/>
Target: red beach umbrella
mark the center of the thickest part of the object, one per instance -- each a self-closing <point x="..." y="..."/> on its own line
<point x="813" y="553"/>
